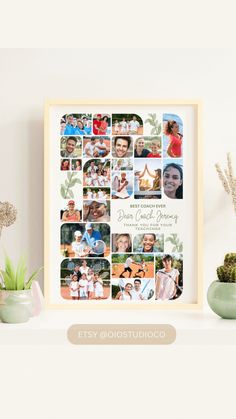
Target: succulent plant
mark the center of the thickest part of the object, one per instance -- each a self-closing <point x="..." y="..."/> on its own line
<point x="227" y="272"/>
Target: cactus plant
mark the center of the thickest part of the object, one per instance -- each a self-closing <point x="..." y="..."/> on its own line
<point x="227" y="272"/>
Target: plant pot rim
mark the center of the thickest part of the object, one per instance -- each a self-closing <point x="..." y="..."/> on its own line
<point x="225" y="283"/>
<point x="15" y="290"/>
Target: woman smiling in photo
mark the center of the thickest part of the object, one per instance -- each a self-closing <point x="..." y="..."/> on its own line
<point x="173" y="181"/>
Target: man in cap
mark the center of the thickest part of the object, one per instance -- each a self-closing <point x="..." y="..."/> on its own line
<point x="91" y="236"/>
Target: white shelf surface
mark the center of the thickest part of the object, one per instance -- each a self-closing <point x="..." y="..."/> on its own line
<point x="50" y="327"/>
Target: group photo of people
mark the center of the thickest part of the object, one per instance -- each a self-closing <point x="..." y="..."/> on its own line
<point x="101" y="124"/>
<point x="76" y="124"/>
<point x="85" y="279"/>
<point x="133" y="290"/>
<point x="173" y="136"/>
<point x="132" y="266"/>
<point x="96" y="147"/>
<point x="169" y="276"/>
<point x="147" y="179"/>
<point x="125" y="124"/>
<point x="122" y="185"/>
<point x="71" y="147"/>
<point x="96" y="193"/>
<point x="122" y="164"/>
<point x="96" y="173"/>
<point x="96" y="210"/>
<point x="85" y="240"/>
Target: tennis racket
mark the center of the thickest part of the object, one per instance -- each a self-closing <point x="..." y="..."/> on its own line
<point x="98" y="247"/>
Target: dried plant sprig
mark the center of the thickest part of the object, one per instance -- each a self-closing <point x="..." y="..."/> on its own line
<point x="228" y="180"/>
<point x="8" y="215"/>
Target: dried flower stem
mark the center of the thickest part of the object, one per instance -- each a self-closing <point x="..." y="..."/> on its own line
<point x="228" y="180"/>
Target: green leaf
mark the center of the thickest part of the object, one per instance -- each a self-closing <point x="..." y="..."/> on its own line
<point x="78" y="181"/>
<point x="153" y="131"/>
<point x="174" y="249"/>
<point x="9" y="268"/>
<point x="158" y="129"/>
<point x="8" y="282"/>
<point x="1" y="287"/>
<point x="181" y="247"/>
<point x="31" y="278"/>
<point x="69" y="176"/>
<point x="63" y="191"/>
<point x="150" y="121"/>
<point x="66" y="183"/>
<point x="72" y="183"/>
<point x="20" y="274"/>
<point x="71" y="194"/>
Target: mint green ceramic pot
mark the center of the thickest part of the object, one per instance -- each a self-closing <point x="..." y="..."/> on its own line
<point x="221" y="297"/>
<point x="16" y="306"/>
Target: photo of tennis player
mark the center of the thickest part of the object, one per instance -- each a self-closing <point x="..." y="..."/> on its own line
<point x="101" y="124"/>
<point x="97" y="210"/>
<point x="122" y="146"/>
<point x="169" y="276"/>
<point x="85" y="279"/>
<point x="122" y="185"/>
<point x="71" y="211"/>
<point x="85" y="240"/>
<point x="71" y="147"/>
<point x="121" y="243"/>
<point x="125" y="124"/>
<point x="148" y="243"/>
<point x="173" y="136"/>
<point x="76" y="124"/>
<point x="147" y="178"/>
<point x="96" y="147"/>
<point x="133" y="290"/>
<point x="96" y="173"/>
<point x="148" y="147"/>
<point x="96" y="193"/>
<point x="173" y="178"/>
<point x="132" y="266"/>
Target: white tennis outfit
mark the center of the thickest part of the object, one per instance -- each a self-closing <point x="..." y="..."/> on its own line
<point x="90" y="283"/>
<point x="122" y="194"/>
<point x="124" y="296"/>
<point x="78" y="248"/>
<point x="74" y="289"/>
<point x="133" y="126"/>
<point x="98" y="289"/>
<point x="123" y="125"/>
<point x="83" y="292"/>
<point x="84" y="270"/>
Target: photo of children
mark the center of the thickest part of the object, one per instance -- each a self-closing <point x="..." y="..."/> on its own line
<point x="101" y="124"/>
<point x="173" y="136"/>
<point x="71" y="211"/>
<point x="96" y="147"/>
<point x="121" y="243"/>
<point x="122" y="185"/>
<point x="132" y="266"/>
<point x="173" y="178"/>
<point x="147" y="178"/>
<point x="76" y="124"/>
<point x="122" y="164"/>
<point x="122" y="146"/>
<point x="85" y="279"/>
<point x="96" y="193"/>
<point x="97" y="210"/>
<point x="96" y="173"/>
<point x="133" y="290"/>
<point x="85" y="240"/>
<point x="169" y="276"/>
<point x="71" y="147"/>
<point x="125" y="124"/>
<point x="148" y="243"/>
<point x="148" y="147"/>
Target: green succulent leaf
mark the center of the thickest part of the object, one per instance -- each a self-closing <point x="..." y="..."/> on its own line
<point x="31" y="278"/>
<point x="8" y="281"/>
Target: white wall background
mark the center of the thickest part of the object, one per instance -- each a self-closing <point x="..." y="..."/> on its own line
<point x="30" y="76"/>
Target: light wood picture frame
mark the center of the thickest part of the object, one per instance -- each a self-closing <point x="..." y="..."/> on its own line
<point x="123" y="203"/>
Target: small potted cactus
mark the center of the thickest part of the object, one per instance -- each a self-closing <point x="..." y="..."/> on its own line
<point x="221" y="294"/>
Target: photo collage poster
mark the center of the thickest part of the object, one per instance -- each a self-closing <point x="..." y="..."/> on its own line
<point x="122" y="205"/>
